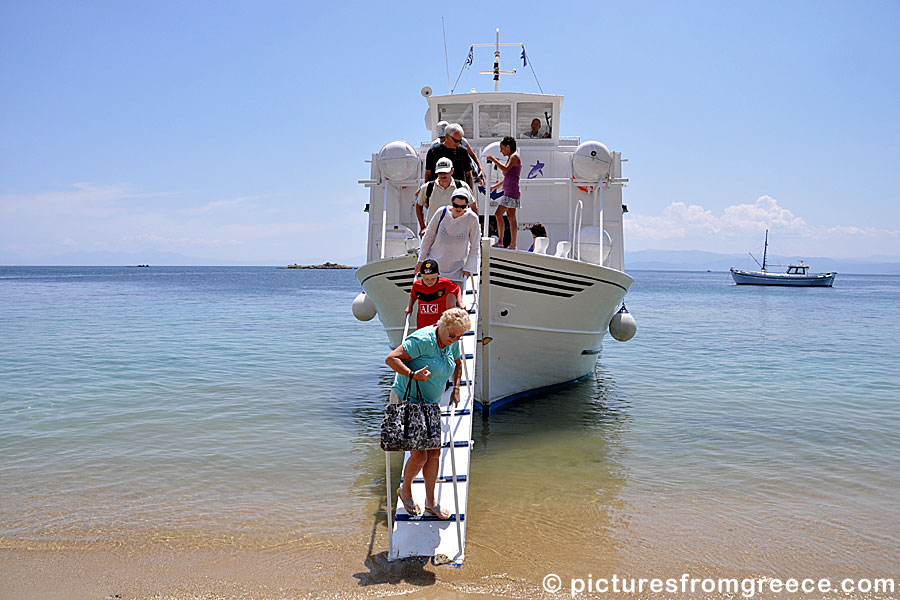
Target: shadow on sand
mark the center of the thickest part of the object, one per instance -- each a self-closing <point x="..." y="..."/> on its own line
<point x="405" y="570"/>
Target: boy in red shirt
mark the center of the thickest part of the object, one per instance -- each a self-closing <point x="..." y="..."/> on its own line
<point x="434" y="293"/>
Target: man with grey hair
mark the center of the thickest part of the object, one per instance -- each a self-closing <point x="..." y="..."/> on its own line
<point x="450" y="147"/>
<point x="440" y="130"/>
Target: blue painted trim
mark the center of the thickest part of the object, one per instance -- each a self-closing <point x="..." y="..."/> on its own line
<point x="515" y="397"/>
<point x="459" y="412"/>
<point x="597" y="351"/>
<point x="444" y="479"/>
<point x="411" y="519"/>
<point x="459" y="444"/>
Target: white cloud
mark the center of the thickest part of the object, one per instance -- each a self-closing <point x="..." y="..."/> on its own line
<point x="763" y="214"/>
<point x="219" y="205"/>
<point x="269" y="230"/>
<point x="79" y="199"/>
<point x="679" y="220"/>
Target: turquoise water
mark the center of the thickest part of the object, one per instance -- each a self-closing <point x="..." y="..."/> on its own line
<point x="248" y="400"/>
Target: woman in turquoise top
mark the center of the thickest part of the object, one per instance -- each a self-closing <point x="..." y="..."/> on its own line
<point x="431" y="356"/>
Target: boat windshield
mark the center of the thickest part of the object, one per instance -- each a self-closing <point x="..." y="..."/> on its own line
<point x="526" y="112"/>
<point x="494" y="120"/>
<point x="459" y="113"/>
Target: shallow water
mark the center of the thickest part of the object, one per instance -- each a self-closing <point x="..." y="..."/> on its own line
<point x="743" y="430"/>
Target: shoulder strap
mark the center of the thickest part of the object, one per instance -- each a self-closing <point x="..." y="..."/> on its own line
<point x="430" y="188"/>
<point x="443" y="214"/>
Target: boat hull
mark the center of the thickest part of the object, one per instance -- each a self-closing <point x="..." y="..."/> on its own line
<point x="546" y="317"/>
<point x="543" y="318"/>
<point x="783" y="279"/>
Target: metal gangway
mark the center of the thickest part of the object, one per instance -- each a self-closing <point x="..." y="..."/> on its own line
<point x="426" y="534"/>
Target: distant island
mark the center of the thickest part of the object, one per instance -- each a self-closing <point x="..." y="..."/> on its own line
<point x="326" y="265"/>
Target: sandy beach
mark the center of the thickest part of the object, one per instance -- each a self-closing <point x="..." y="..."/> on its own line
<point x="514" y="542"/>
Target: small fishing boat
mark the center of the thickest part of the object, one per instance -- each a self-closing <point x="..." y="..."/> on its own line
<point x="796" y="274"/>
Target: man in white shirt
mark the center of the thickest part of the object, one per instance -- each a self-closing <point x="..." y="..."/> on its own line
<point x="436" y="194"/>
<point x="536" y="131"/>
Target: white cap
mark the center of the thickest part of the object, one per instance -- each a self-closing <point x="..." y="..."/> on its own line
<point x="443" y="165"/>
<point x="461" y="193"/>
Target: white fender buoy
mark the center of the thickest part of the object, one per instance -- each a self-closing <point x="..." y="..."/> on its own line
<point x="398" y="161"/>
<point x="363" y="308"/>
<point x="622" y="326"/>
<point x="592" y="161"/>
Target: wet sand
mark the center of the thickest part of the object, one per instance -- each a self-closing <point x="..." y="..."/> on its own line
<point x="514" y="541"/>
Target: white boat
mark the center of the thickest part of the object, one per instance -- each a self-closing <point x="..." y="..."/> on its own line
<point x="542" y="315"/>
<point x="796" y="275"/>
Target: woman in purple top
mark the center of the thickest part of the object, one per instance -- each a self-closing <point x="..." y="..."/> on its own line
<point x="511" y="193"/>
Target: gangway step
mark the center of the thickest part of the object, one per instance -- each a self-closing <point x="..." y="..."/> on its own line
<point x="403" y="517"/>
<point x="457" y="413"/>
<point x="442" y="479"/>
<point x="459" y="444"/>
<point x="426" y="534"/>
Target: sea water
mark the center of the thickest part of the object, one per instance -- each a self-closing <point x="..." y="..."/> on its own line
<point x="743" y="430"/>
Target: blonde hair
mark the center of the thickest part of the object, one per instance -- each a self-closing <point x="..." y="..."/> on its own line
<point x="456" y="319"/>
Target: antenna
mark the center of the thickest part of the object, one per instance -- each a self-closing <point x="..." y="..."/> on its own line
<point x="497" y="72"/>
<point x="446" y="60"/>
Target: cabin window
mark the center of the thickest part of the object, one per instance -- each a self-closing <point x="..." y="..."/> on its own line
<point x="494" y="120"/>
<point x="526" y="112"/>
<point x="458" y="113"/>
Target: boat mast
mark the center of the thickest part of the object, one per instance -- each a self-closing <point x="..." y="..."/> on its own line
<point x="497" y="72"/>
<point x="765" y="249"/>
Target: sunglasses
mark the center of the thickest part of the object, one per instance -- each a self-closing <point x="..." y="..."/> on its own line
<point x="456" y="140"/>
<point x="455" y="337"/>
<point x="459" y="206"/>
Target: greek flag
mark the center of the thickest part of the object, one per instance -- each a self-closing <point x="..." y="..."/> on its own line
<point x="471" y="56"/>
<point x="524" y="58"/>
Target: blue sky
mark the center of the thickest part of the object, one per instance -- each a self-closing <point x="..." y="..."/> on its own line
<point x="235" y="132"/>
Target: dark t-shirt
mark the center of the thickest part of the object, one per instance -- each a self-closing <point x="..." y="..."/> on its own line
<point x="432" y="300"/>
<point x="460" y="158"/>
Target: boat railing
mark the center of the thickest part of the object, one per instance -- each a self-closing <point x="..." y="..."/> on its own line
<point x="576" y="230"/>
<point x="523" y="183"/>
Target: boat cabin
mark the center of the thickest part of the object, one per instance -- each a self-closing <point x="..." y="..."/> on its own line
<point x="800" y="269"/>
<point x="573" y="189"/>
<point x="488" y="116"/>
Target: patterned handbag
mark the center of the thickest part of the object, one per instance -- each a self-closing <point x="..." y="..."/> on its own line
<point x="411" y="425"/>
